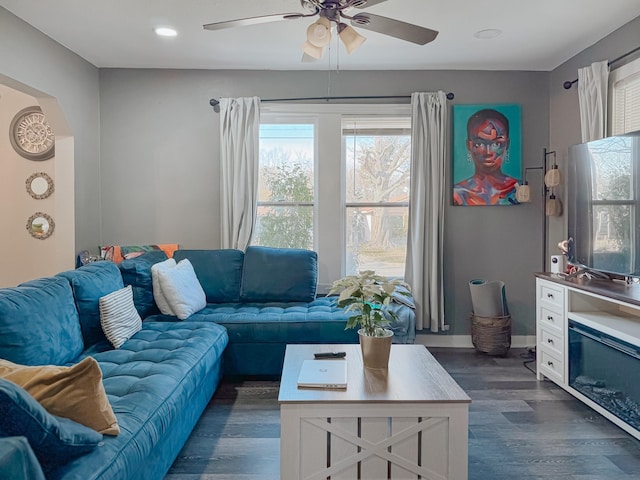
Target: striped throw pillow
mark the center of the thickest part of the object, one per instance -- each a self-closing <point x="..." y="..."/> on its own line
<point x="118" y="316"/>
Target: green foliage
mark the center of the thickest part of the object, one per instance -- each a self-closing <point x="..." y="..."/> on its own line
<point x="368" y="296"/>
<point x="288" y="226"/>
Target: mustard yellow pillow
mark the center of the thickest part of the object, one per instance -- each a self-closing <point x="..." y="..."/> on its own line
<point x="75" y="392"/>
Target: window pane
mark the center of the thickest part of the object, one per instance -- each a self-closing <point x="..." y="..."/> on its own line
<point x="286" y="176"/>
<point x="284" y="227"/>
<point x="613" y="169"/>
<point x="286" y="162"/>
<point x="377" y="240"/>
<point x="612" y="231"/>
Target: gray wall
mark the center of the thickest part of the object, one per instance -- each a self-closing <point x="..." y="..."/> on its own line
<point x="160" y="165"/>
<point x="30" y="58"/>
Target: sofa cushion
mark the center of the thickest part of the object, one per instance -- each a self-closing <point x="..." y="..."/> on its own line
<point x="118" y="316"/>
<point x="39" y="323"/>
<point x="279" y="275"/>
<point x="54" y="440"/>
<point x="74" y="392"/>
<point x="137" y="273"/>
<point x="158" y="294"/>
<point x="219" y="272"/>
<point x="89" y="283"/>
<point x="181" y="288"/>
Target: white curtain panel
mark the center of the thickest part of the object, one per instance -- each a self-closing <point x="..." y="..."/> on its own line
<point x="239" y="145"/>
<point x="593" y="87"/>
<point x="425" y="238"/>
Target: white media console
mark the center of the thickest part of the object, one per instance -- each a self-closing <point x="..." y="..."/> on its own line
<point x="606" y="314"/>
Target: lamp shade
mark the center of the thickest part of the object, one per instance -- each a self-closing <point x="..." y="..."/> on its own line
<point x="350" y="37"/>
<point x="313" y="51"/>
<point x="552" y="178"/>
<point x="553" y="207"/>
<point x="523" y="193"/>
<point x="319" y="32"/>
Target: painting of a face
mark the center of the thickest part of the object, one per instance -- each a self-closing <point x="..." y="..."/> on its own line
<point x="488" y="141"/>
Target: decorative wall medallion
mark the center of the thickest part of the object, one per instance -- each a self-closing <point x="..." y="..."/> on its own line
<point x="39" y="185"/>
<point x="31" y="135"/>
<point x="40" y="225"/>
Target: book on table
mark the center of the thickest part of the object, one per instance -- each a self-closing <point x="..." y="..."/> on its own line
<point x="323" y="374"/>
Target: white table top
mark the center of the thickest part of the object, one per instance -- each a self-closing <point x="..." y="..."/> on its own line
<point x="414" y="376"/>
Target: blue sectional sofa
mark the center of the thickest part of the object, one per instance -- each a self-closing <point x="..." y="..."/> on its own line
<point x="265" y="298"/>
<point x="160" y="380"/>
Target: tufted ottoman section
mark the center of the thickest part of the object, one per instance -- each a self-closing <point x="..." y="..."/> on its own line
<point x="159" y="381"/>
<point x="259" y="332"/>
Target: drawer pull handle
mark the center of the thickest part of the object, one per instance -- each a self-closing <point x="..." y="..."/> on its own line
<point x="549" y="340"/>
<point x="549" y="295"/>
<point x="550" y="318"/>
<point x="550" y="363"/>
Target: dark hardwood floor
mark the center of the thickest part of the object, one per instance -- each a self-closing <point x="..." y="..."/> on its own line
<point x="519" y="428"/>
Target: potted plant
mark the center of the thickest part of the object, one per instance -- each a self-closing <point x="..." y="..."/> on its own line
<point x="369" y="296"/>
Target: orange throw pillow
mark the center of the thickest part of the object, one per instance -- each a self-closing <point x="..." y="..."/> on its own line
<point x="75" y="392"/>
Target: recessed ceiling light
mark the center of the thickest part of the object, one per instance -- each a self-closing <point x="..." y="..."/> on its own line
<point x="488" y="33"/>
<point x="165" y="32"/>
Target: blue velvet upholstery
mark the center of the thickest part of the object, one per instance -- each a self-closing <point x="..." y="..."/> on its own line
<point x="54" y="440"/>
<point x="259" y="332"/>
<point x="137" y="273"/>
<point x="279" y="275"/>
<point x="158" y="384"/>
<point x="219" y="272"/>
<point x="39" y="323"/>
<point x="89" y="283"/>
<point x="17" y="460"/>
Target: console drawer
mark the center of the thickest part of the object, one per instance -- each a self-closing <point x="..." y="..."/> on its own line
<point x="551" y="366"/>
<point x="552" y="342"/>
<point x="552" y="295"/>
<point x="551" y="320"/>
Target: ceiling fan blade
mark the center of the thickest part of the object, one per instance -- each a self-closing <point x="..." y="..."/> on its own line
<point x="396" y="28"/>
<point x="368" y="3"/>
<point x="241" y="22"/>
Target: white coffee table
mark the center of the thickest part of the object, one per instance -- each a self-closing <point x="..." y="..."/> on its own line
<point x="410" y="420"/>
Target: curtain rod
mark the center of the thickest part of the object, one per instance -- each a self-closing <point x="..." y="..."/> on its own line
<point x="215" y="102"/>
<point x="568" y="84"/>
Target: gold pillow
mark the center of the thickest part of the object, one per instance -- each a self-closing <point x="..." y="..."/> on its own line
<point x="75" y="392"/>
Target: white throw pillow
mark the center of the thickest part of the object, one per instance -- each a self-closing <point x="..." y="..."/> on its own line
<point x="182" y="289"/>
<point x="158" y="294"/>
<point x="118" y="316"/>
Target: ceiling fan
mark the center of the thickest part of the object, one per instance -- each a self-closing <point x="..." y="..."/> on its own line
<point x="336" y="11"/>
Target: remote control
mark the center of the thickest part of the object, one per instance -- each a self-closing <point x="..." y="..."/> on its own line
<point x="328" y="355"/>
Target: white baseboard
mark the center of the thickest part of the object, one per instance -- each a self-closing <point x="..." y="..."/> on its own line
<point x="464" y="341"/>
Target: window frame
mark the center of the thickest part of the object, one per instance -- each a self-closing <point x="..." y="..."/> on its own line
<point x="330" y="197"/>
<point x="617" y="75"/>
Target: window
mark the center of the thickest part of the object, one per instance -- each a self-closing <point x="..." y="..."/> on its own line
<point x="285" y="186"/>
<point x="624" y="88"/>
<point x="335" y="178"/>
<point x="378" y="160"/>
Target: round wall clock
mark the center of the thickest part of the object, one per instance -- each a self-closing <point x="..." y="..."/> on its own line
<point x="31" y="135"/>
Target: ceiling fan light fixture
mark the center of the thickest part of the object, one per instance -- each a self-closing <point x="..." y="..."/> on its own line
<point x="319" y="32"/>
<point x="310" y="49"/>
<point x="351" y="39"/>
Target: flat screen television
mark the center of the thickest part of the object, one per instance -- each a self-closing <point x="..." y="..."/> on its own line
<point x="603" y="192"/>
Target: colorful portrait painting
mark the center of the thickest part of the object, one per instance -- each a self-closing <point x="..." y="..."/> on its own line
<point x="487" y="159"/>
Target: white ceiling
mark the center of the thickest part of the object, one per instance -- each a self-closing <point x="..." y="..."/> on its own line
<point x="537" y="34"/>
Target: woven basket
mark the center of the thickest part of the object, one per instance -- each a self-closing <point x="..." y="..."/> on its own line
<point x="491" y="335"/>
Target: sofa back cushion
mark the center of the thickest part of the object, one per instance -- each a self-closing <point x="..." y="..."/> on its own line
<point x="137" y="273"/>
<point x="39" y="323"/>
<point x="89" y="283"/>
<point x="219" y="272"/>
<point x="279" y="275"/>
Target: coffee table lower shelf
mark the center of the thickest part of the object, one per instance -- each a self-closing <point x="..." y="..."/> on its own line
<point x="391" y="424"/>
